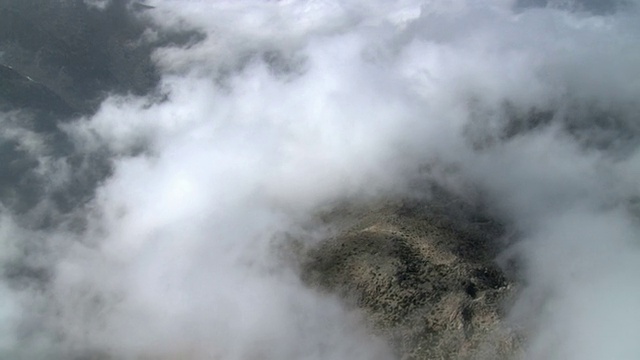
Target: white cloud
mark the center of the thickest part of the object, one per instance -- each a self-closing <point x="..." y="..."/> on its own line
<point x="289" y="106"/>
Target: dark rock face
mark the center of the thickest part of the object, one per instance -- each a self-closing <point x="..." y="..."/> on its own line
<point x="58" y="61"/>
<point x="79" y="52"/>
<point x="427" y="280"/>
<point x="22" y="92"/>
<point x="76" y="51"/>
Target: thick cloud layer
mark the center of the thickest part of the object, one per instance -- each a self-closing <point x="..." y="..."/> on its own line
<point x="286" y="108"/>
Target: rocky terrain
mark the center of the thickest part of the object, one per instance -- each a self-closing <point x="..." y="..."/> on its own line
<point x="424" y="273"/>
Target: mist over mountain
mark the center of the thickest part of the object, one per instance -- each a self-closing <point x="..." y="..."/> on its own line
<point x="319" y="179"/>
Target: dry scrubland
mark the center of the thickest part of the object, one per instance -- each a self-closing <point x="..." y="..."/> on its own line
<point x="424" y="273"/>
